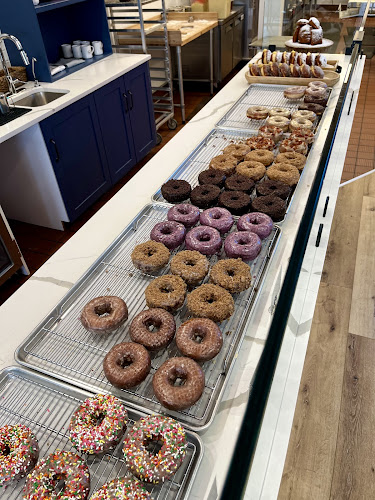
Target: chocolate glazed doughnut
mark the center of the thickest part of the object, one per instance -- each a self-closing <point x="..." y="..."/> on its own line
<point x="127" y="365"/>
<point x="178" y="397"/>
<point x="164" y="328"/>
<point x="104" y="314"/>
<point x="199" y="338"/>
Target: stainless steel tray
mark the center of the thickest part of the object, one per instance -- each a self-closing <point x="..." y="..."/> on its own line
<point x="45" y="406"/>
<point x="62" y="348"/>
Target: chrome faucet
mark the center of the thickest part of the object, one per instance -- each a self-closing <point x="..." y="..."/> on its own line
<point x="25" y="59"/>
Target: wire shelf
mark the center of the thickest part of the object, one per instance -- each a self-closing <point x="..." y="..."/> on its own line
<point x="46" y="406"/>
<point x="61" y="347"/>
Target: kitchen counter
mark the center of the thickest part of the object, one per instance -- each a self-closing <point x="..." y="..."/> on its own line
<point x="33" y="301"/>
<point x="79" y="84"/>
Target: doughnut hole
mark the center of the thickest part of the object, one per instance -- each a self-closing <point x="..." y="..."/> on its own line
<point x="103" y="309"/>
<point x="177" y="377"/>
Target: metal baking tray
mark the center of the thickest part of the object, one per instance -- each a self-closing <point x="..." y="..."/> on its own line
<point x="62" y="348"/>
<point x="45" y="406"/>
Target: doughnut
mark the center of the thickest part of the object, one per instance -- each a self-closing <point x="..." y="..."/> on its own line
<point x="242" y="244"/>
<point x="302" y="134"/>
<point x="191" y="266"/>
<point x="237" y="150"/>
<point x="205" y="196"/>
<point x="254" y="69"/>
<point x="19" y="452"/>
<point x="265" y="70"/>
<point x="316" y="36"/>
<point x="98" y="424"/>
<point x="284" y="69"/>
<point x="168" y="232"/>
<point x="305" y="71"/>
<point x="270" y="132"/>
<point x="211" y="176"/>
<point x="276" y="188"/>
<point x="224" y="163"/>
<point x="153" y="328"/>
<point x="321" y="60"/>
<point x="154" y="467"/>
<point x="237" y="182"/>
<point x="293" y="158"/>
<point x="150" y="256"/>
<point x="185" y="214"/>
<point x="122" y="487"/>
<point x="319" y="84"/>
<point x="254" y="170"/>
<point x="167" y="292"/>
<point x="211" y="301"/>
<point x="304" y="35"/>
<point x="274" y="67"/>
<point x="301" y="123"/>
<point x="204" y="239"/>
<point x="310" y="106"/>
<point x="271" y="205"/>
<point x="322" y="101"/>
<point x="259" y="142"/>
<point x="60" y="466"/>
<point x="310" y="58"/>
<point x="219" y="218"/>
<point x="314" y="22"/>
<point x="266" y="56"/>
<point x="261" y="156"/>
<point x="104" y="314"/>
<point x="126" y="365"/>
<point x="199" y="339"/>
<point x="298" y="146"/>
<point x="232" y="274"/>
<point x="284" y="172"/>
<point x="257" y="112"/>
<point x="285" y="57"/>
<point x="316" y="91"/>
<point x="258" y="223"/>
<point x="301" y="58"/>
<point x="176" y="190"/>
<point x="295" y="70"/>
<point x="237" y="202"/>
<point x="279" y="121"/>
<point x="301" y="22"/>
<point x="280" y="112"/>
<point x="294" y="92"/>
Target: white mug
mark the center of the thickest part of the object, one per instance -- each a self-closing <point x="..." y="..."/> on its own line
<point x="77" y="42"/>
<point x="85" y="42"/>
<point x="87" y="51"/>
<point x="98" y="47"/>
<point x="67" y="50"/>
<point x="77" y="51"/>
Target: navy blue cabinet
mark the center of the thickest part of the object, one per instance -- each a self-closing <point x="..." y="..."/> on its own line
<point x="74" y="142"/>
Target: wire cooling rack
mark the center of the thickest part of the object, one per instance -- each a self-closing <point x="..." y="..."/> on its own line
<point x="45" y="406"/>
<point x="62" y="348"/>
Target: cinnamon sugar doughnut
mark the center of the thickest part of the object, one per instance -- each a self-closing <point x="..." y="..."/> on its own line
<point x="259" y="142"/>
<point x="296" y="159"/>
<point x="257" y="112"/>
<point x="279" y="121"/>
<point x="293" y="145"/>
<point x="252" y="169"/>
<point x="301" y="123"/>
<point x="284" y="172"/>
<point x="225" y="163"/>
<point x="260" y="155"/>
<point x="304" y="113"/>
<point x="237" y="150"/>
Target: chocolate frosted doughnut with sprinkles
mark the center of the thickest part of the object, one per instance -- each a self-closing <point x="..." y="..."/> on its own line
<point x="19" y="452"/>
<point x="141" y="461"/>
<point x="126" y="488"/>
<point x="98" y="424"/>
<point x="51" y="471"/>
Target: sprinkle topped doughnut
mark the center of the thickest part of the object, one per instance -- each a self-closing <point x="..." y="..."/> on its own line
<point x="257" y="112"/>
<point x="232" y="274"/>
<point x="237" y="150"/>
<point x="104" y="314"/>
<point x="224" y="163"/>
<point x="259" y="142"/>
<point x="211" y="301"/>
<point x="98" y="424"/>
<point x="261" y="156"/>
<point x="284" y="172"/>
<point x="211" y="176"/>
<point x="51" y="470"/>
<point x="199" y="339"/>
<point x="154" y="329"/>
<point x="19" y="452"/>
<point x="256" y="222"/>
<point x="167" y="292"/>
<point x="127" y="488"/>
<point x="243" y="244"/>
<point x="176" y="190"/>
<point x="169" y="232"/>
<point x="296" y="159"/>
<point x="254" y="170"/>
<point x="191" y="266"/>
<point x="204" y="239"/>
<point x="219" y="218"/>
<point x="150" y="256"/>
<point x="185" y="214"/>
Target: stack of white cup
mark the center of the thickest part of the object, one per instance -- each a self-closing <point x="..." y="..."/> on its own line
<point x="82" y="49"/>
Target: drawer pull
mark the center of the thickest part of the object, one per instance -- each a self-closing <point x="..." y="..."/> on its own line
<point x="125" y="102"/>
<point x="325" y="206"/>
<point x="57" y="155"/>
<point x="131" y="100"/>
<point x="319" y="235"/>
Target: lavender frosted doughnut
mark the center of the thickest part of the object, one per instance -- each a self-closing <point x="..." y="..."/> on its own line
<point x="169" y="232"/>
<point x="256" y="222"/>
<point x="204" y="239"/>
<point x="243" y="244"/>
<point x="219" y="218"/>
<point x="186" y="214"/>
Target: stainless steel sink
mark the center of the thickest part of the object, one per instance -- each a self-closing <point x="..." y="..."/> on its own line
<point x="39" y="98"/>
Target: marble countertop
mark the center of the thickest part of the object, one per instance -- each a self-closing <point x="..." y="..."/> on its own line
<point x="79" y="84"/>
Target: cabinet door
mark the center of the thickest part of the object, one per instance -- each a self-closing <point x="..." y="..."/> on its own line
<point x="138" y="89"/>
<point x="226" y="49"/>
<point x="113" y="109"/>
<point x="74" y="142"/>
<point x="238" y="39"/>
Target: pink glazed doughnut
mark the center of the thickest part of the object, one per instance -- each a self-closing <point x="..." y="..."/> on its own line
<point x="256" y="222"/>
<point x="169" y="232"/>
<point x="243" y="244"/>
<point x="204" y="239"/>
<point x="219" y="218"/>
<point x="186" y="214"/>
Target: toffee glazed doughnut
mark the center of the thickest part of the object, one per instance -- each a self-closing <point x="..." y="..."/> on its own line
<point x="296" y="159"/>
<point x="269" y="187"/>
<point x="284" y="172"/>
<point x="224" y="163"/>
<point x="259" y="142"/>
<point x="260" y="155"/>
<point x="176" y="190"/>
<point x="232" y="274"/>
<point x="257" y="112"/>
<point x="237" y="150"/>
<point x="167" y="292"/>
<point x="212" y="302"/>
<point x="104" y="314"/>
<point x="127" y="365"/>
<point x="270" y="132"/>
<point x="270" y="205"/>
<point x="122" y="487"/>
<point x="279" y="121"/>
<point x="254" y="170"/>
<point x="150" y="256"/>
<point x="303" y="134"/>
<point x="199" y="338"/>
<point x="153" y="328"/>
<point x="178" y="397"/>
<point x="191" y="266"/>
<point x="292" y="144"/>
<point x="211" y="176"/>
<point x="19" y="452"/>
<point x="98" y="424"/>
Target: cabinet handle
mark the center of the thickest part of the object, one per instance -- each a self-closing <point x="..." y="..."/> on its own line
<point x="57" y="157"/>
<point x="131" y="100"/>
<point x="237" y="22"/>
<point x="126" y="102"/>
<point x="242" y="17"/>
<point x="228" y="29"/>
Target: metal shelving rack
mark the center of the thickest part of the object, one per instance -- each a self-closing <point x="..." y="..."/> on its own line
<point x="135" y="28"/>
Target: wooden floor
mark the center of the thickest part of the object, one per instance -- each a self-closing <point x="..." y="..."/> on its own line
<point x="331" y="452"/>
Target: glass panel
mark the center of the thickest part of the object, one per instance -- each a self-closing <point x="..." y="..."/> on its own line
<point x="5" y="260"/>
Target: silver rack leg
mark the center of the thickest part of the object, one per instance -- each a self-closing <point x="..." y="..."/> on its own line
<point x="211" y="61"/>
<point x="180" y="82"/>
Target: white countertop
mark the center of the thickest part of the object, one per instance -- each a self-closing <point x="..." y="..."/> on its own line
<point x="79" y="84"/>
